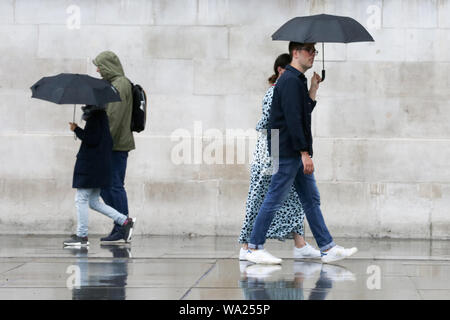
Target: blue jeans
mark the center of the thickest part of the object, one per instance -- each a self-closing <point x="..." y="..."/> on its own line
<point x="116" y="196"/>
<point x="89" y="198"/>
<point x="290" y="171"/>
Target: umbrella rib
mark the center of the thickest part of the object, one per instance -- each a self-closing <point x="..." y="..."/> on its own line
<point x="342" y="30"/>
<point x="309" y="29"/>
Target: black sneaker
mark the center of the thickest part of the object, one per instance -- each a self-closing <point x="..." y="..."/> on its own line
<point x="77" y="241"/>
<point x="115" y="238"/>
<point x="115" y="229"/>
<point x="77" y="251"/>
<point x="128" y="229"/>
<point x="118" y="251"/>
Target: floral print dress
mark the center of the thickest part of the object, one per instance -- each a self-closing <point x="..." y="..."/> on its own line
<point x="289" y="218"/>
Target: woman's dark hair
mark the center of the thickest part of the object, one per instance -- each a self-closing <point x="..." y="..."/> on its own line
<point x="282" y="61"/>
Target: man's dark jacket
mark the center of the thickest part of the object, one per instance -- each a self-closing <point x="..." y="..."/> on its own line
<point x="290" y="113"/>
<point x="93" y="165"/>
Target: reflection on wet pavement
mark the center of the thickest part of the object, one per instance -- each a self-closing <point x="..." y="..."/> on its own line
<point x="103" y="280"/>
<point x="256" y="286"/>
<point x="208" y="268"/>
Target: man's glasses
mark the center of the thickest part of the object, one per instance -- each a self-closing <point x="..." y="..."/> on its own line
<point x="310" y="50"/>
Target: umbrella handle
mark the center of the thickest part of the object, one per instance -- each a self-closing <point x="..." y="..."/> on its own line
<point x="323" y="62"/>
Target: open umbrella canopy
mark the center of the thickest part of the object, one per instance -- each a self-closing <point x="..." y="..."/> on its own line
<point x="69" y="88"/>
<point x="322" y="28"/>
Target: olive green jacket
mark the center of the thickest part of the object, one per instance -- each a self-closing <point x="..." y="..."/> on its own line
<point x="119" y="113"/>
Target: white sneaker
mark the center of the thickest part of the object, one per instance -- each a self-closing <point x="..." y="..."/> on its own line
<point x="242" y="254"/>
<point x="261" y="271"/>
<point x="261" y="256"/>
<point x="308" y="269"/>
<point x="337" y="253"/>
<point x="337" y="273"/>
<point x="307" y="252"/>
<point x="243" y="264"/>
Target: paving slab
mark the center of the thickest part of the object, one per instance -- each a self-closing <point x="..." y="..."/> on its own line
<point x="208" y="268"/>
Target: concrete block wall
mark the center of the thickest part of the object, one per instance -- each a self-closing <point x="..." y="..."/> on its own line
<point x="381" y="127"/>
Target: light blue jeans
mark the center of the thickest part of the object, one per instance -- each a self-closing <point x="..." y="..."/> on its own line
<point x="90" y="198"/>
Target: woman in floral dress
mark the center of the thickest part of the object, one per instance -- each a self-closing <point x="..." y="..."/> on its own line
<point x="288" y="221"/>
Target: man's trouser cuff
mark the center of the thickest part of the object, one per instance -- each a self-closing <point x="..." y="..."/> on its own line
<point x="255" y="246"/>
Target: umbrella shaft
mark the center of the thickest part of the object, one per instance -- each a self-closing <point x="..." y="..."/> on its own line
<point x="323" y="56"/>
<point x="74" y="108"/>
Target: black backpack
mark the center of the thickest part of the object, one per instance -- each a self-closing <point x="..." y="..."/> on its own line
<point x="139" y="113"/>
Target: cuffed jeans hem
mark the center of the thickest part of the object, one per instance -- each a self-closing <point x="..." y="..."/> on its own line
<point x="328" y="246"/>
<point x="255" y="246"/>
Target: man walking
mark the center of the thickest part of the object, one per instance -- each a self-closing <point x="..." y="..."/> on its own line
<point x="292" y="106"/>
<point x="119" y="115"/>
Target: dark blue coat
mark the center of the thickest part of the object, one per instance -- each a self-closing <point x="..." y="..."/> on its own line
<point x="93" y="165"/>
<point x="290" y="113"/>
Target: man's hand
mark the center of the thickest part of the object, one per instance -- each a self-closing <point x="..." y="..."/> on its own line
<point x="72" y="126"/>
<point x="315" y="80"/>
<point x="308" y="165"/>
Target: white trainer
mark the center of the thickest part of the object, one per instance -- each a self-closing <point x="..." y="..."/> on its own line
<point x="306" y="252"/>
<point x="262" y="256"/>
<point x="337" y="253"/>
<point x="307" y="268"/>
<point x="260" y="271"/>
<point x="242" y="254"/>
<point x="243" y="264"/>
<point x="338" y="273"/>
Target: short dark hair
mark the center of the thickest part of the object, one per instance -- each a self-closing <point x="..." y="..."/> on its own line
<point x="295" y="46"/>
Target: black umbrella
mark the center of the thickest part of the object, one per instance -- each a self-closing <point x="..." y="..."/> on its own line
<point x="69" y="88"/>
<point x="322" y="28"/>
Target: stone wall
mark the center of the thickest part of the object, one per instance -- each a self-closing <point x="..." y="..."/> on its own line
<point x="381" y="126"/>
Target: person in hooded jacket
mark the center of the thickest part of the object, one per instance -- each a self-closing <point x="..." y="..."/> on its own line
<point x="119" y="115"/>
<point x="93" y="171"/>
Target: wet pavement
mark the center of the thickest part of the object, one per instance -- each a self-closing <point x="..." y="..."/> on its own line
<point x="207" y="268"/>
